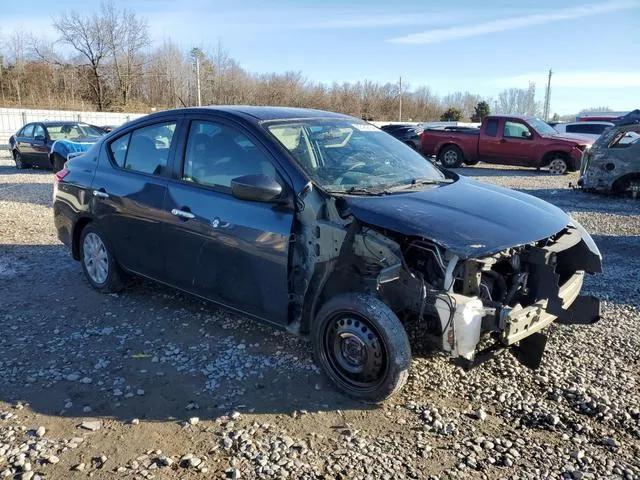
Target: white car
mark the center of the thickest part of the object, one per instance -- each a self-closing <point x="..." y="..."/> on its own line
<point x="591" y="130"/>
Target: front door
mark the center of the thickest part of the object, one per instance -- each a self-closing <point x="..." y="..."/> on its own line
<point x="129" y="191"/>
<point x="510" y="143"/>
<point x="24" y="140"/>
<point x="39" y="147"/>
<point x="231" y="251"/>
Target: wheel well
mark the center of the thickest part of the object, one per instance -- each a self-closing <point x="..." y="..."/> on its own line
<point x="13" y="153"/>
<point x="555" y="154"/>
<point x="620" y="183"/>
<point x="77" y="231"/>
<point x="448" y="145"/>
<point x="340" y="280"/>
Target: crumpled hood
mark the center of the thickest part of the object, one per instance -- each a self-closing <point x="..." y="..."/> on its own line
<point x="469" y="218"/>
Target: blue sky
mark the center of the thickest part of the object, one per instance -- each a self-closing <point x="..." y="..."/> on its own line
<point x="467" y="45"/>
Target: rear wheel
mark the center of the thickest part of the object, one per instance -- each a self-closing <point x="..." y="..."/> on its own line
<point x="17" y="158"/>
<point x="362" y="346"/>
<point x="558" y="166"/>
<point x="57" y="162"/>
<point x="471" y="162"/>
<point x="98" y="262"/>
<point x="451" y="157"/>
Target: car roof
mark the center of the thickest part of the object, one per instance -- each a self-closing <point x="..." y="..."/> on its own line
<point x="58" y="123"/>
<point x="258" y="114"/>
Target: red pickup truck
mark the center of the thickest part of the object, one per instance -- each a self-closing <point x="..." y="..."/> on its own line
<point x="506" y="140"/>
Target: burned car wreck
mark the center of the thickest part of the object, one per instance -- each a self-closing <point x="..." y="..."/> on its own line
<point x="612" y="164"/>
<point x="327" y="226"/>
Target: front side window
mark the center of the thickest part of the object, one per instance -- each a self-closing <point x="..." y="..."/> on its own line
<point x="516" y="130"/>
<point x="144" y="150"/>
<point x="342" y="156"/>
<point x="216" y="154"/>
<point x="38" y="132"/>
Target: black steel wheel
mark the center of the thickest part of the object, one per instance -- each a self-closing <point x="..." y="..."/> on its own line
<point x="362" y="346"/>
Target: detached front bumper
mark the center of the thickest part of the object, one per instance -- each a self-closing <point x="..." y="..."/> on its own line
<point x="578" y="309"/>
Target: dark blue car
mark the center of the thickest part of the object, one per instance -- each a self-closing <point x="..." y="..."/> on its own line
<point x="50" y="144"/>
<point x="327" y="226"/>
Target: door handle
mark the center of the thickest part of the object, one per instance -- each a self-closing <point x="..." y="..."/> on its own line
<point x="100" y="194"/>
<point x="502" y="140"/>
<point x="182" y="214"/>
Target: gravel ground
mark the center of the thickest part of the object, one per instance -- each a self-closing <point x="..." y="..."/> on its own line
<point x="154" y="384"/>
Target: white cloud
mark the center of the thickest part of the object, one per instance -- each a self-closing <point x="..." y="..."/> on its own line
<point x="514" y="23"/>
<point x="586" y="79"/>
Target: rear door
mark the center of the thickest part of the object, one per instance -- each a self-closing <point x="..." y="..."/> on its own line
<point x="232" y="251"/>
<point x="129" y="191"/>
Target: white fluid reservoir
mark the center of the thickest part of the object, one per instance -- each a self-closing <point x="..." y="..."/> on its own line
<point x="461" y="332"/>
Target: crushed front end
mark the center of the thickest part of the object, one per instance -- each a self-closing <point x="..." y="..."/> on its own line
<point x="612" y="165"/>
<point x="511" y="295"/>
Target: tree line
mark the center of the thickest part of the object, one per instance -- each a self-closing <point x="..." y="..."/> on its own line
<point x="105" y="60"/>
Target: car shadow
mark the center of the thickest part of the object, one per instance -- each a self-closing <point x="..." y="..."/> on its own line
<point x="27" y="192"/>
<point x="149" y="352"/>
<point x="7" y="167"/>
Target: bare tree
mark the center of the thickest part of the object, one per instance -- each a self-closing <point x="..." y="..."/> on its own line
<point x="518" y="101"/>
<point x="87" y="35"/>
<point x="126" y="37"/>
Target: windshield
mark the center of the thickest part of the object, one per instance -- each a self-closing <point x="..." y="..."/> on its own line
<point x="343" y="156"/>
<point x="74" y="131"/>
<point x="541" y="127"/>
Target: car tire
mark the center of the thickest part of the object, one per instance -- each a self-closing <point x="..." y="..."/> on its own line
<point x="471" y="162"/>
<point x="361" y="346"/>
<point x="17" y="158"/>
<point x="451" y="157"/>
<point x="98" y="262"/>
<point x="558" y="166"/>
<point x="57" y="162"/>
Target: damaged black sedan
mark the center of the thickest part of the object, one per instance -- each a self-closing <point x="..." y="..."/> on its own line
<point x="323" y="224"/>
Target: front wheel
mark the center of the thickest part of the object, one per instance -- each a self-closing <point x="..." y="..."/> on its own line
<point x="451" y="157"/>
<point x="57" y="162"/>
<point x="362" y="346"/>
<point x="98" y="262"/>
<point x="558" y="166"/>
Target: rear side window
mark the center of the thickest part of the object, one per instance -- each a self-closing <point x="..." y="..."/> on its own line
<point x="492" y="127"/>
<point x="216" y="154"/>
<point x="144" y="150"/>
<point x="27" y="131"/>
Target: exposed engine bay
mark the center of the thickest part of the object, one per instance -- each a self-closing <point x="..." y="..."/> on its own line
<point x="511" y="295"/>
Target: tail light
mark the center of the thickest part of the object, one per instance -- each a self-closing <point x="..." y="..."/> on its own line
<point x="61" y="174"/>
<point x="56" y="179"/>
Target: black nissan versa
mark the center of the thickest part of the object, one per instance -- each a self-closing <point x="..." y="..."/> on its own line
<point x="325" y="225"/>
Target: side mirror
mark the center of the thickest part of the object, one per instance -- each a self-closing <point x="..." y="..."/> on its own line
<point x="257" y="188"/>
<point x="526" y="134"/>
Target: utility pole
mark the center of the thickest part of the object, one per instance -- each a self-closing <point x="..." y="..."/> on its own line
<point x="400" y="107"/>
<point x="547" y="98"/>
<point x="196" y="52"/>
